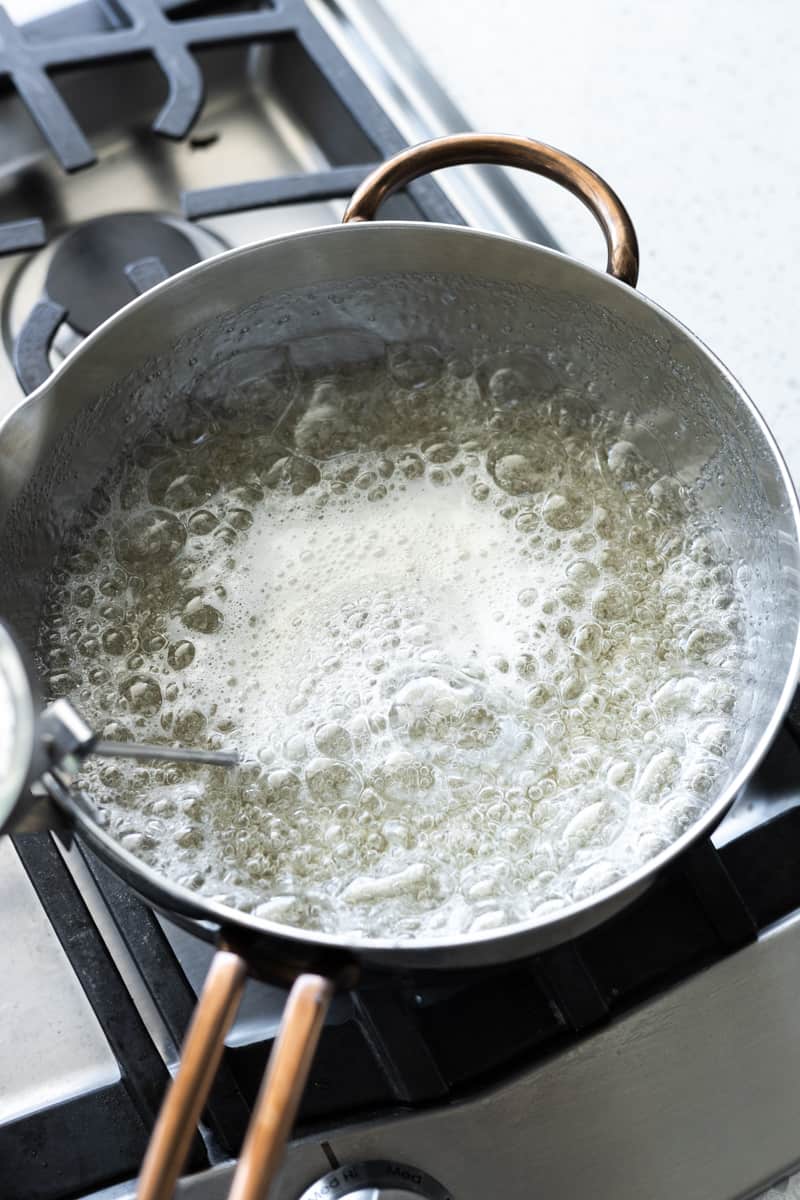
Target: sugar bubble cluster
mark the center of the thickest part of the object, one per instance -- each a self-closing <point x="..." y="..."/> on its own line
<point x="478" y="655"/>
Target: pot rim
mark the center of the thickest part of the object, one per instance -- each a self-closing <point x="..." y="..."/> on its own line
<point x="508" y="941"/>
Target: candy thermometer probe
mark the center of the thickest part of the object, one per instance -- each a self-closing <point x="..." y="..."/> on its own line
<point x="42" y="748"/>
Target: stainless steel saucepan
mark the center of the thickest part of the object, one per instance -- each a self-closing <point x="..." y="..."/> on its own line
<point x="342" y="294"/>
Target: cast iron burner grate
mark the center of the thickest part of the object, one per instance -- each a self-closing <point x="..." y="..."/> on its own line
<point x="145" y="27"/>
<point x="97" y="268"/>
<point x="162" y="31"/>
<point x="28" y="64"/>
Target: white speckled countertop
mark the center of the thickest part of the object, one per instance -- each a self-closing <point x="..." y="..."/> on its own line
<point x="690" y="112"/>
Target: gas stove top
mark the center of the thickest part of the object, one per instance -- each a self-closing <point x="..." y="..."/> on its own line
<point x="657" y="1055"/>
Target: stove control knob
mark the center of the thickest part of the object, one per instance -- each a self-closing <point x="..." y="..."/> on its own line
<point x="380" y="1180"/>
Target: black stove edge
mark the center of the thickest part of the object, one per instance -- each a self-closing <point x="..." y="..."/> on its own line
<point x="226" y="1114"/>
<point x="98" y="1137"/>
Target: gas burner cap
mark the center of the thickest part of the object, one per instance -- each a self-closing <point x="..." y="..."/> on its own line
<point x="86" y="275"/>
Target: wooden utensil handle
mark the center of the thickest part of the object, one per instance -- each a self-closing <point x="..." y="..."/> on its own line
<point x="187" y="1094"/>
<point x="278" y="1100"/>
<point x="282" y="1088"/>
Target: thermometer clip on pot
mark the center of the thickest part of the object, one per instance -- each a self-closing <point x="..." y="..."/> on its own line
<point x="41" y="751"/>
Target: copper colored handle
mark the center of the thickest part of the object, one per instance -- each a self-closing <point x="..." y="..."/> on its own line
<point x="504" y="150"/>
<point x="188" y="1092"/>
<point x="282" y="1088"/>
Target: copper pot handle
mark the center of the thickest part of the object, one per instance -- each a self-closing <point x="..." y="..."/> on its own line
<point x="278" y="1099"/>
<point x="505" y="150"/>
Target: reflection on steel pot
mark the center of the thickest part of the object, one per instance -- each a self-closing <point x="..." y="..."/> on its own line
<point x="344" y="295"/>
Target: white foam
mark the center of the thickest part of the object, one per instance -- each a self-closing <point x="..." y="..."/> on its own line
<point x="470" y="681"/>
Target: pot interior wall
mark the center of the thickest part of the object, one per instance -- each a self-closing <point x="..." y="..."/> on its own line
<point x="253" y="327"/>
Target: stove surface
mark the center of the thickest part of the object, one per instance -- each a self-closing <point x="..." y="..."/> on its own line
<point x="694" y="1096"/>
<point x="675" y="1074"/>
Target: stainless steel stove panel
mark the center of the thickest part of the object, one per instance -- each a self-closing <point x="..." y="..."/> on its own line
<point x="694" y="1096"/>
<point x="52" y="1043"/>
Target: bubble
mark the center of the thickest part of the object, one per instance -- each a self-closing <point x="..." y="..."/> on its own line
<point x="180" y="655"/>
<point x="620" y="773"/>
<point x="330" y="781"/>
<point x="61" y="683"/>
<point x="516" y="473"/>
<point x="656" y="775"/>
<point x="115" y="641"/>
<point x="83" y="561"/>
<point x="295" y="473"/>
<point x="582" y="572"/>
<point x="715" y="737"/>
<point x="224" y="535"/>
<point x="151" y="538"/>
<point x="135" y="842"/>
<point x="528" y="666"/>
<point x="478" y="729"/>
<point x="415" y="365"/>
<point x="402" y="777"/>
<point x="679" y="814"/>
<point x="240" y="518"/>
<point x="624" y="461"/>
<point x="705" y="640"/>
<point x="83" y="596"/>
<point x="333" y="740"/>
<point x="441" y="452"/>
<point x="186" y="491"/>
<point x="397" y="833"/>
<point x="200" y="616"/>
<point x="324" y="430"/>
<point x="611" y="603"/>
<point x="189" y="724"/>
<point x="586" y="825"/>
<point x="429" y="707"/>
<point x="189" y="836"/>
<point x="366" y="889"/>
<point x="565" y="627"/>
<point x="599" y="876"/>
<point x="572" y="687"/>
<point x="202" y="522"/>
<point x="564" y="511"/>
<point x="142" y="693"/>
<point x="507" y="386"/>
<point x="112" y="584"/>
<point x="541" y="695"/>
